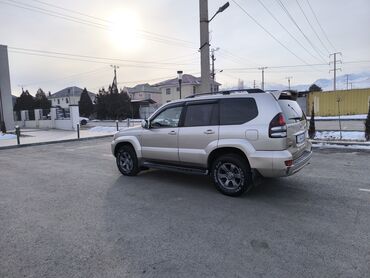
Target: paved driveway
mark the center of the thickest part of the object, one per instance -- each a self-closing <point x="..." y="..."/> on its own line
<point x="65" y="211"/>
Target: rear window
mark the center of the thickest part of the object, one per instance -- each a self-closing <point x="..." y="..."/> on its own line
<point x="237" y="111"/>
<point x="291" y="110"/>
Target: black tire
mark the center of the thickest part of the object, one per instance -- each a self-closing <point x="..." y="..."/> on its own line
<point x="127" y="162"/>
<point x="231" y="174"/>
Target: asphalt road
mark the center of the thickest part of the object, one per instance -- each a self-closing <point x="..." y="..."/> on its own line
<point x="65" y="211"/>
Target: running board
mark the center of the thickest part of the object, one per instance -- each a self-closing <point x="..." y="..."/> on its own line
<point x="182" y="169"/>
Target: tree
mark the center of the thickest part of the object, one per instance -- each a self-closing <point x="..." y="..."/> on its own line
<point x="312" y="129"/>
<point x="367" y="126"/>
<point x="314" y="88"/>
<point x="41" y="101"/>
<point x="24" y="102"/>
<point x="85" y="104"/>
<point x="100" y="104"/>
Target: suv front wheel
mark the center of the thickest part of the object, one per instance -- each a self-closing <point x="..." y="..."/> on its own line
<point x="231" y="175"/>
<point x="127" y="162"/>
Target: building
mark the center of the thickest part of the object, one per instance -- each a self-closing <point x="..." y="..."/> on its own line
<point x="143" y="92"/>
<point x="190" y="86"/>
<point x="68" y="96"/>
<point x="6" y="104"/>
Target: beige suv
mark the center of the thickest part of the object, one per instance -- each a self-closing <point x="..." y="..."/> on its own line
<point x="233" y="136"/>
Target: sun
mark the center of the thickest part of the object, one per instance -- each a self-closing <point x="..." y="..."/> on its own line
<point x="124" y="30"/>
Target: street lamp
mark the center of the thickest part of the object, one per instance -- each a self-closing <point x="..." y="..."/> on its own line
<point x="220" y="10"/>
<point x="179" y="77"/>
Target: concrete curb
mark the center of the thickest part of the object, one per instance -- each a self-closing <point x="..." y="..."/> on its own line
<point x="53" y="142"/>
<point x="343" y="143"/>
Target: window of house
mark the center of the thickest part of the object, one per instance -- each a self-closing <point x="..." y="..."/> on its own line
<point x="67" y="101"/>
<point x="237" y="111"/>
<point x="201" y="115"/>
<point x="58" y="101"/>
<point x="194" y="90"/>
<point x="178" y="89"/>
<point x="168" y="91"/>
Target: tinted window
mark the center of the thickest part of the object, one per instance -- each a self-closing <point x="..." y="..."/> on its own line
<point x="167" y="118"/>
<point x="201" y="115"/>
<point x="291" y="110"/>
<point x="237" y="111"/>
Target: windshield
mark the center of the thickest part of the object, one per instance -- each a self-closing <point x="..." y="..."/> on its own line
<point x="291" y="110"/>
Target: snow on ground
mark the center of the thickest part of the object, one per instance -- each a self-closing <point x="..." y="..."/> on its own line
<point x="335" y="135"/>
<point x="103" y="129"/>
<point x="344" y="117"/>
<point x="7" y="136"/>
<point x="336" y="146"/>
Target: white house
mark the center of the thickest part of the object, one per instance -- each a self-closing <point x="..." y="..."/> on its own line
<point x="68" y="96"/>
<point x="190" y="86"/>
<point x="145" y="92"/>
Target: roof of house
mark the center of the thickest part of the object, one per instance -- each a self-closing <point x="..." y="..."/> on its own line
<point x="69" y="92"/>
<point x="143" y="88"/>
<point x="187" y="79"/>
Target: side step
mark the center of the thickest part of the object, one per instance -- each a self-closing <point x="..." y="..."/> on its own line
<point x="182" y="169"/>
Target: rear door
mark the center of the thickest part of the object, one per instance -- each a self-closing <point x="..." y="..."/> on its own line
<point x="296" y="126"/>
<point x="199" y="131"/>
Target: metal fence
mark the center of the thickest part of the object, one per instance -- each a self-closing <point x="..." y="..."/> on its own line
<point x="63" y="113"/>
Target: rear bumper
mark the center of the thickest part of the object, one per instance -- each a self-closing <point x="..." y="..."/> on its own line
<point x="299" y="163"/>
<point x="272" y="164"/>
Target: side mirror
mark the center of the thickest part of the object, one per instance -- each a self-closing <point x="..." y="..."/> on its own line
<point x="145" y="124"/>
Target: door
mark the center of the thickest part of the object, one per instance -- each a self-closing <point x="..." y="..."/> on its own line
<point x="160" y="141"/>
<point x="199" y="132"/>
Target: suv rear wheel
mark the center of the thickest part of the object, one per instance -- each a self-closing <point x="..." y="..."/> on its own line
<point x="127" y="162"/>
<point x="231" y="175"/>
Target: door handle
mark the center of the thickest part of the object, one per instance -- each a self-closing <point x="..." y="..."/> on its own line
<point x="172" y="132"/>
<point x="209" y="131"/>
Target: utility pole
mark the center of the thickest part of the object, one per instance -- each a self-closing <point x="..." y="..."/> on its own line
<point x="213" y="73"/>
<point x="289" y="78"/>
<point x="347" y="80"/>
<point x="254" y="84"/>
<point x="263" y="77"/>
<point x="115" y="67"/>
<point x="204" y="46"/>
<point x="335" y="69"/>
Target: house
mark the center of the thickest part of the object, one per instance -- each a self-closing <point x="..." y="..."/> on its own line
<point x="68" y="96"/>
<point x="190" y="86"/>
<point x="145" y="92"/>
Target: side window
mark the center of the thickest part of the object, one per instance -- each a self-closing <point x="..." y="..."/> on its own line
<point x="237" y="111"/>
<point x="167" y="118"/>
<point x="201" y="115"/>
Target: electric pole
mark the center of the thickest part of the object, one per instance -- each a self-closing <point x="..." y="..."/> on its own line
<point x="114" y="83"/>
<point x="204" y="46"/>
<point x="263" y="77"/>
<point x="335" y="69"/>
<point x="347" y="80"/>
<point x="289" y="78"/>
<point x="213" y="74"/>
<point x="254" y="84"/>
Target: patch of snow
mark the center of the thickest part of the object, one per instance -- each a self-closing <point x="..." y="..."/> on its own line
<point x="7" y="136"/>
<point x="344" y="117"/>
<point x="335" y="135"/>
<point x="335" y="146"/>
<point x="103" y="129"/>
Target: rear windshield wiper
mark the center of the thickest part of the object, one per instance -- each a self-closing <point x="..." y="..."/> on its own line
<point x="299" y="117"/>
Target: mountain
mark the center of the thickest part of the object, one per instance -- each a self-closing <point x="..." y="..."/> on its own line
<point x="358" y="81"/>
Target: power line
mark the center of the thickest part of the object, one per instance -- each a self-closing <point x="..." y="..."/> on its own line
<point x="268" y="32"/>
<point x="318" y="22"/>
<point x="144" y="34"/>
<point x="313" y="29"/>
<point x="300" y="29"/>
<point x="286" y="29"/>
<point x="93" y="57"/>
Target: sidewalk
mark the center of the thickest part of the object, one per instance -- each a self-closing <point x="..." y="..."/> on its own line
<point x="35" y="136"/>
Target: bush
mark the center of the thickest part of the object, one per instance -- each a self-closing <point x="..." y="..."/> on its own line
<point x="367" y="126"/>
<point x="312" y="129"/>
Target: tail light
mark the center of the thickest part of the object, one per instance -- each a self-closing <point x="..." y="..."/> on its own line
<point x="277" y="128"/>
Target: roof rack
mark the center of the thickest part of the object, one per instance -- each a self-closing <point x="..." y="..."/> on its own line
<point x="228" y="92"/>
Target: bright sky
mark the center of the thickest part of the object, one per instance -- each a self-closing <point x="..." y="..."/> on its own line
<point x="151" y="40"/>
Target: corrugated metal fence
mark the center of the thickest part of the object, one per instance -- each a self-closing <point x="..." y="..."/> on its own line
<point x="351" y="102"/>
